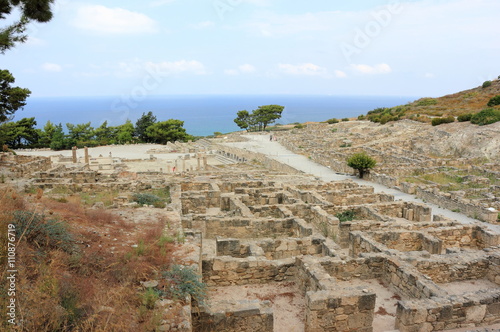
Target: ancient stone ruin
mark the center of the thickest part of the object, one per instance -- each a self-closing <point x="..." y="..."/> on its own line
<point x="282" y="251"/>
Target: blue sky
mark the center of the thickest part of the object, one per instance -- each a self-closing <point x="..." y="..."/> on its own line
<point x="328" y="47"/>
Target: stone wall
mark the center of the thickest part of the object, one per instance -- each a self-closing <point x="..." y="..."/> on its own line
<point x="446" y="201"/>
<point x="245" y="228"/>
<point x="408" y="241"/>
<point x="244" y="316"/>
<point x="471" y="237"/>
<point x="454" y="267"/>
<point x="339" y="310"/>
<point x="245" y="155"/>
<point x="435" y="314"/>
<point x="330" y="308"/>
<point x="227" y="271"/>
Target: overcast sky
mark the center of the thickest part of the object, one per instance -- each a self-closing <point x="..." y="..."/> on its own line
<point x="330" y="47"/>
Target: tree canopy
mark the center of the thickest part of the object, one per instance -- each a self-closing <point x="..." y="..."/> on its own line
<point x="142" y="124"/>
<point x="23" y="134"/>
<point x="361" y="162"/>
<point x="168" y="131"/>
<point x="11" y="98"/>
<point x="260" y="118"/>
<point x="30" y="10"/>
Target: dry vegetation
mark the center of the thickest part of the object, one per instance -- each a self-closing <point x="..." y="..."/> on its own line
<point x="450" y="106"/>
<point x="74" y="274"/>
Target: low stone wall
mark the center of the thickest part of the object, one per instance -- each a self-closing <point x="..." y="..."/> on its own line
<point x="408" y="281"/>
<point x="245" y="316"/>
<point x="408" y="241"/>
<point x="199" y="201"/>
<point x="227" y="271"/>
<point x="407" y="210"/>
<point x="245" y="228"/>
<point x="478" y="309"/>
<point x="446" y="201"/>
<point x="330" y="308"/>
<point x="470" y="237"/>
<point x="454" y="267"/>
<point x="245" y="155"/>
<point x="339" y="310"/>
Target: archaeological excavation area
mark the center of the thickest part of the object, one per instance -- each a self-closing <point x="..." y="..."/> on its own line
<point x="283" y="257"/>
<point x="283" y="251"/>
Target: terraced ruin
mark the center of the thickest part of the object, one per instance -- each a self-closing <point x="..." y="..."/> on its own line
<point x="281" y="250"/>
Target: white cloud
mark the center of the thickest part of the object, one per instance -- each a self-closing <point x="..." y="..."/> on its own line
<point x="203" y="25"/>
<point x="102" y="19"/>
<point x="382" y="68"/>
<point x="177" y="67"/>
<point x="260" y="3"/>
<point x="52" y="67"/>
<point x="159" y="3"/>
<point x="340" y="74"/>
<point x="305" y="69"/>
<point x="243" y="69"/>
<point x="246" y="68"/>
<point x="429" y="75"/>
<point x="231" y="72"/>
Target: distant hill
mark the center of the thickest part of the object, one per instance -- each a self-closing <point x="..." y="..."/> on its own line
<point x="468" y="101"/>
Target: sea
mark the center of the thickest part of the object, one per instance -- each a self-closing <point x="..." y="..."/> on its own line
<point x="202" y="114"/>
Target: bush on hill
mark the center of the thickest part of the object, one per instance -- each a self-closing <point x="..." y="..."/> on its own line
<point x="465" y="117"/>
<point x="384" y="114"/>
<point x="438" y="121"/>
<point x="486" y="84"/>
<point x="486" y="116"/>
<point x="494" y="101"/>
<point x="332" y="121"/>
<point x="426" y="102"/>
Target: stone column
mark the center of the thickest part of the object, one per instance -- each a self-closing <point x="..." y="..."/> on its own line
<point x="205" y="162"/>
<point x="87" y="159"/>
<point x="183" y="165"/>
<point x="199" y="161"/>
<point x="74" y="154"/>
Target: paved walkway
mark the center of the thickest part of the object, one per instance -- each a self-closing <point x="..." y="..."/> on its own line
<point x="261" y="143"/>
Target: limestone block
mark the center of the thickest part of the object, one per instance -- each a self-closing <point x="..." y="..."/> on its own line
<point x="475" y="314"/>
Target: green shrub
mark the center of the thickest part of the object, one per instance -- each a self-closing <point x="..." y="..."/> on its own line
<point x="149" y="298"/>
<point x="299" y="126"/>
<point x="494" y="101"/>
<point x="361" y="162"/>
<point x="332" y="121"/>
<point x="361" y="117"/>
<point x="486" y="84"/>
<point x="438" y="121"/>
<point x="345" y="119"/>
<point x="486" y="116"/>
<point x="184" y="281"/>
<point x="348" y="215"/>
<point x="147" y="199"/>
<point x="426" y="102"/>
<point x="36" y="229"/>
<point x="464" y="117"/>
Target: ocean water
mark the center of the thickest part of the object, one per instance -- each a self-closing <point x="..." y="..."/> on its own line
<point x="202" y="114"/>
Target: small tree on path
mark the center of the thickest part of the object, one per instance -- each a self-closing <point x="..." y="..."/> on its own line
<point x="361" y="162"/>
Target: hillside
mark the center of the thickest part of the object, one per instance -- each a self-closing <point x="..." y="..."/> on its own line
<point x="467" y="101"/>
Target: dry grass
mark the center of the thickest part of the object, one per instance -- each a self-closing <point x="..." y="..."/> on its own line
<point x="468" y="101"/>
<point x="95" y="286"/>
